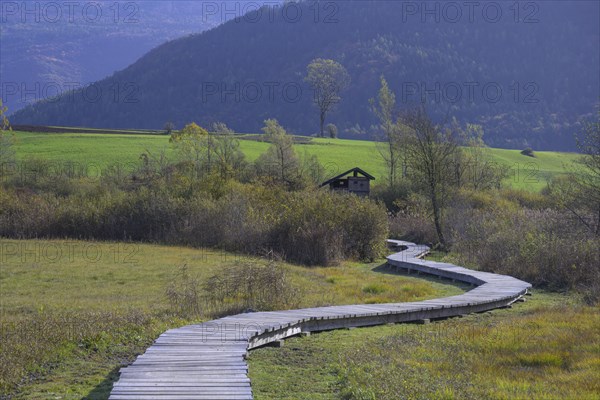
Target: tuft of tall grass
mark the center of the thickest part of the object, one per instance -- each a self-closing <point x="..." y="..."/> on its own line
<point x="251" y="286"/>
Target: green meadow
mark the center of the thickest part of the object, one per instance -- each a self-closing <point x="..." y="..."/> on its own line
<point x="78" y="275"/>
<point x="547" y="348"/>
<point x="72" y="312"/>
<point x="336" y="155"/>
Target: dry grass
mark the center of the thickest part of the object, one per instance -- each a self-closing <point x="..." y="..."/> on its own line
<point x="547" y="348"/>
<point x="73" y="312"/>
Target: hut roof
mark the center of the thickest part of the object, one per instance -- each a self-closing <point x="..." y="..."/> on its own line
<point x="354" y="171"/>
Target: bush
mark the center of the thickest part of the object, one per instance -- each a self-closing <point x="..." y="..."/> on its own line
<point x="412" y="221"/>
<point x="392" y="196"/>
<point x="250" y="286"/>
<point x="469" y="199"/>
<point x="544" y="247"/>
<point x="183" y="294"/>
<point x="412" y="228"/>
<point x="528" y="152"/>
<point x="310" y="227"/>
<point x="332" y="131"/>
<point x="527" y="199"/>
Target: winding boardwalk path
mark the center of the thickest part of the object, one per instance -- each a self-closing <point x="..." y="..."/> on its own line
<point x="208" y="361"/>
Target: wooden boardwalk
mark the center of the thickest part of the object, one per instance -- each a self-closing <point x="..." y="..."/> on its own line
<point x="208" y="361"/>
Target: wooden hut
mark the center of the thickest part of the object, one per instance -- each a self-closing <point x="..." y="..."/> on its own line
<point x="354" y="181"/>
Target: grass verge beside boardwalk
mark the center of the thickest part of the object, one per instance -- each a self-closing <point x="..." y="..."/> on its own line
<point x="72" y="312"/>
<point x="546" y="348"/>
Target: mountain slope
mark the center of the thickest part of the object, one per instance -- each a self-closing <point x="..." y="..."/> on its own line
<point x="529" y="84"/>
<point x="47" y="47"/>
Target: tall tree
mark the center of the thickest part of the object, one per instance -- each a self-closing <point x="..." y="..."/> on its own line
<point x="193" y="142"/>
<point x="7" y="139"/>
<point x="328" y="79"/>
<point x="384" y="107"/>
<point x="169" y="128"/>
<point x="430" y="151"/>
<point x="229" y="157"/>
<point x="579" y="191"/>
<point x="474" y="166"/>
<point x="4" y="124"/>
<point x="311" y="170"/>
<point x="280" y="161"/>
<point x="589" y="144"/>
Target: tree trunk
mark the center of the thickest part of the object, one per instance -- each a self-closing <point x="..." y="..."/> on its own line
<point x="437" y="218"/>
<point x="392" y="164"/>
<point x="392" y="171"/>
<point x="598" y="223"/>
<point x="322" y="124"/>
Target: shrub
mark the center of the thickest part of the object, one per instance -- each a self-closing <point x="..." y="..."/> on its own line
<point x="413" y="222"/>
<point x="544" y="247"/>
<point x="392" y="196"/>
<point x="250" y="286"/>
<point x="183" y="294"/>
<point x="315" y="227"/>
<point x="480" y="200"/>
<point x="412" y="228"/>
<point x="332" y="131"/>
<point x="311" y="226"/>
<point x="527" y="199"/>
<point x="528" y="152"/>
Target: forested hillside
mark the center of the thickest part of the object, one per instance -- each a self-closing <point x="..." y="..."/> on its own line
<point x="527" y="73"/>
<point x="49" y="47"/>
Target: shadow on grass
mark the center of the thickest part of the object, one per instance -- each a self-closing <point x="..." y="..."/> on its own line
<point x="102" y="391"/>
<point x="388" y="270"/>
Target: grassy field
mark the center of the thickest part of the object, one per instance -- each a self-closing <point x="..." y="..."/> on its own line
<point x="119" y="276"/>
<point x="547" y="348"/>
<point x="99" y="150"/>
<point x="73" y="312"/>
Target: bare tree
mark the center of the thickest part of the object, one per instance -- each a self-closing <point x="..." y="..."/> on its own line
<point x="169" y="128"/>
<point x="390" y="145"/>
<point x="328" y="79"/>
<point x="430" y="151"/>
<point x="229" y="157"/>
<point x="579" y="191"/>
<point x="589" y="144"/>
<point x="280" y="161"/>
<point x="474" y="166"/>
<point x="7" y="153"/>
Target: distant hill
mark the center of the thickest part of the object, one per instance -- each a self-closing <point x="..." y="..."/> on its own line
<point x="48" y="47"/>
<point x="529" y="74"/>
